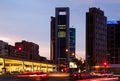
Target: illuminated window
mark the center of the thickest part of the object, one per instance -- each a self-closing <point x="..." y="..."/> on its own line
<point x="62" y="26"/>
<point x="62" y="13"/>
<point x="61" y="34"/>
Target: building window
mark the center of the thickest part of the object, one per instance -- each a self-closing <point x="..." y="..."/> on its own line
<point x="62" y="13"/>
<point x="62" y="26"/>
<point x="61" y="34"/>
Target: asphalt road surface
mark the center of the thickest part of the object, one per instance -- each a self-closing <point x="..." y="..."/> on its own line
<point x="66" y="78"/>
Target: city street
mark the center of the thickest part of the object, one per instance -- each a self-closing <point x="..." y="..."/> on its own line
<point x="59" y="79"/>
<point x="70" y="79"/>
<point x="101" y="79"/>
<point x="52" y="78"/>
<point x="59" y="40"/>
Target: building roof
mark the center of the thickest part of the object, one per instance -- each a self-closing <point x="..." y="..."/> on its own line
<point x="112" y="22"/>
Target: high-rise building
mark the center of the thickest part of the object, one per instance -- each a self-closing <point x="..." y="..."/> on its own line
<point x="59" y="43"/>
<point x="72" y="42"/>
<point x="96" y="36"/>
<point x="113" y="41"/>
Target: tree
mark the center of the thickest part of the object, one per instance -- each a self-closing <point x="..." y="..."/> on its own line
<point x="80" y="64"/>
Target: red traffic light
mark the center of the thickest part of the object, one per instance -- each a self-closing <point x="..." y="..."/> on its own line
<point x="105" y="63"/>
<point x="19" y="48"/>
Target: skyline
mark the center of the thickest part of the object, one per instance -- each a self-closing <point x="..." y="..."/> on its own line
<point x="30" y="20"/>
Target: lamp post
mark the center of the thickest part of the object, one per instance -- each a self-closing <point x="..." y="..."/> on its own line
<point x="67" y="58"/>
<point x="66" y="52"/>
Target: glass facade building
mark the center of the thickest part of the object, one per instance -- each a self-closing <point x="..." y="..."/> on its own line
<point x="113" y="41"/>
<point x="72" y="42"/>
<point x="59" y="43"/>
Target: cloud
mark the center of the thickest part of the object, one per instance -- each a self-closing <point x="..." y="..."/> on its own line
<point x="10" y="38"/>
<point x="5" y="39"/>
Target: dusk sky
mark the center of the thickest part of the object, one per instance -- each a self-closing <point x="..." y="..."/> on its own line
<point x="30" y="20"/>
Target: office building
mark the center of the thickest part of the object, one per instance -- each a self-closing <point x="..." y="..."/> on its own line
<point x="27" y="50"/>
<point x="3" y="49"/>
<point x="113" y="41"/>
<point x="12" y="51"/>
<point x="72" y="42"/>
<point x="96" y="37"/>
<point x="59" y="42"/>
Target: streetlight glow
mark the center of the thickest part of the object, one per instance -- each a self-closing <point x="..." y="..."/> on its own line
<point x="66" y="50"/>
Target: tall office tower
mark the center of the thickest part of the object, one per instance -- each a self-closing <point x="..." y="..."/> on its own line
<point x="96" y="37"/>
<point x="59" y="43"/>
<point x="72" y="42"/>
<point x="113" y="41"/>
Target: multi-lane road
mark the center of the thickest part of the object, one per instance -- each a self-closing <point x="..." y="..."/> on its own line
<point x="61" y="79"/>
<point x="56" y="77"/>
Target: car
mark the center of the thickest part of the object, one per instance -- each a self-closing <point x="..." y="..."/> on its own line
<point x="76" y="75"/>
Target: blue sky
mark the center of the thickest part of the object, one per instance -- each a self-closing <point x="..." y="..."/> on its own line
<point x="30" y="20"/>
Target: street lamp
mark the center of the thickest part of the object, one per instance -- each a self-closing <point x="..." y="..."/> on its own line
<point x="73" y="54"/>
<point x="66" y="50"/>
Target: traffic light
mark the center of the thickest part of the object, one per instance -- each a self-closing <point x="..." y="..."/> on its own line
<point x="105" y="63"/>
<point x="19" y="48"/>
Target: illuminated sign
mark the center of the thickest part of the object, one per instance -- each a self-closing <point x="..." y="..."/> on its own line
<point x="112" y="22"/>
<point x="72" y="65"/>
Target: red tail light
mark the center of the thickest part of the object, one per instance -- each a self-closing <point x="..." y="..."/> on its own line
<point x="75" y="75"/>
